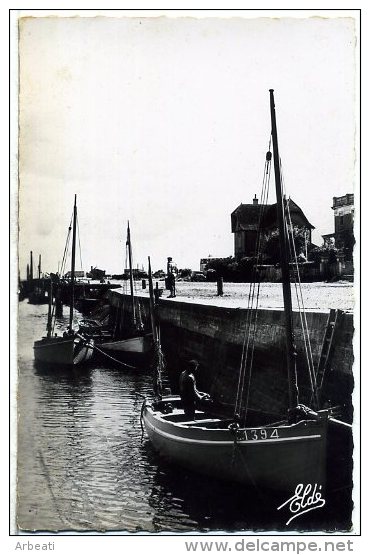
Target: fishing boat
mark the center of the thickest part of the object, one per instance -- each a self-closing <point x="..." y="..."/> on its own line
<point x="38" y="294"/>
<point x="136" y="343"/>
<point x="71" y="348"/>
<point x="247" y="447"/>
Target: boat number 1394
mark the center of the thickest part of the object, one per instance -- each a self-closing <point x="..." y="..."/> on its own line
<point x="261" y="433"/>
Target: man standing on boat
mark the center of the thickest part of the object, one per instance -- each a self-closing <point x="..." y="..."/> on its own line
<point x="190" y="396"/>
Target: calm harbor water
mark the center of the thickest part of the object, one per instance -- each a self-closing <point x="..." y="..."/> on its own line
<point x="84" y="464"/>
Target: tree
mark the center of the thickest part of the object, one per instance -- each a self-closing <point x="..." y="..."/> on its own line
<point x="327" y="251"/>
<point x="186" y="272"/>
<point x="272" y="244"/>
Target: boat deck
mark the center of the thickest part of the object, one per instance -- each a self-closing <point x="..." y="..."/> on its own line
<point x="201" y="418"/>
<point x="170" y="410"/>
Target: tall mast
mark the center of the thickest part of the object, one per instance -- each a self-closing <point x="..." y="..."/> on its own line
<point x="151" y="304"/>
<point x="31" y="265"/>
<point x="49" y="324"/>
<point x="284" y="261"/>
<point x="158" y="357"/>
<point x="39" y="266"/>
<point x="128" y="244"/>
<point x="73" y="264"/>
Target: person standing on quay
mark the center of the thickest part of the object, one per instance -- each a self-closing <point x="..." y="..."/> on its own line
<point x="172" y="284"/>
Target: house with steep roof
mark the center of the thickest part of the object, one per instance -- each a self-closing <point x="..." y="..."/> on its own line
<point x="246" y="219"/>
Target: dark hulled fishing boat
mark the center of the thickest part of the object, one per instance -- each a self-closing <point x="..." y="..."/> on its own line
<point x="136" y="343"/>
<point x="67" y="351"/>
<point x="71" y="348"/>
<point x="248" y="447"/>
<point x="38" y="294"/>
<point x="278" y="455"/>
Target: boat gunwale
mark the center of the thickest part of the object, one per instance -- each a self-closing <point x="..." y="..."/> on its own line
<point x="232" y="441"/>
<point x="63" y="341"/>
<point x="168" y="427"/>
<point x="165" y="418"/>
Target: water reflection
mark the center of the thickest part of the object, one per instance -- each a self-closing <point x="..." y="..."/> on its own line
<point x="204" y="503"/>
<point x="83" y="463"/>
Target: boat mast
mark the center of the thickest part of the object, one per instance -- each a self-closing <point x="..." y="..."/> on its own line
<point x="151" y="304"/>
<point x="284" y="261"/>
<point x="73" y="264"/>
<point x="31" y="265"/>
<point x="128" y="244"/>
<point x="49" y="324"/>
<point x="158" y="363"/>
<point x="39" y="267"/>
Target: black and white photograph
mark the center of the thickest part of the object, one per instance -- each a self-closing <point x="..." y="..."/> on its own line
<point x="187" y="248"/>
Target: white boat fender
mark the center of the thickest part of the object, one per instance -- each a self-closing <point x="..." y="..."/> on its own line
<point x="142" y="416"/>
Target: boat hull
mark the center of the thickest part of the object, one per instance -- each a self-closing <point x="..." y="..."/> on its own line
<point x="276" y="457"/>
<point x="139" y="345"/>
<point x="67" y="351"/>
<point x="38" y="298"/>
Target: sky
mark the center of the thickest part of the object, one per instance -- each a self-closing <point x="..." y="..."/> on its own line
<point x="165" y="122"/>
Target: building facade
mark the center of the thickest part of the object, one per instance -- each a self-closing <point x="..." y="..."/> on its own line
<point x="205" y="262"/>
<point x="343" y="236"/>
<point x="246" y="220"/>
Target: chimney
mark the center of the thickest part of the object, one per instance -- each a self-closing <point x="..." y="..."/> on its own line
<point x="255" y="200"/>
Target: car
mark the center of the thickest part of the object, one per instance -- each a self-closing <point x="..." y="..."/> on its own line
<point x="197" y="276"/>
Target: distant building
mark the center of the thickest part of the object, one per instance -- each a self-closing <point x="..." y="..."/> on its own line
<point x="343" y="236"/>
<point x="78" y="274"/>
<point x="136" y="273"/>
<point x="159" y="274"/>
<point x="205" y="262"/>
<point x="96" y="273"/>
<point x="245" y="221"/>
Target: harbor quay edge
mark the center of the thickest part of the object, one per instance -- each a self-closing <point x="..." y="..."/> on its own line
<point x="214" y="335"/>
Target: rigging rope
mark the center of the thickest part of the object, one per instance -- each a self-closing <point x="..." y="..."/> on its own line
<point x="125" y="281"/>
<point x="137" y="302"/>
<point x="79" y="244"/>
<point x="303" y="319"/>
<point x="64" y="259"/>
<point x="62" y="269"/>
<point x="253" y="300"/>
<point x="158" y="367"/>
<point x="299" y="295"/>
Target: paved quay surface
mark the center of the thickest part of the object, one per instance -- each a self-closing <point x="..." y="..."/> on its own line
<point x="317" y="296"/>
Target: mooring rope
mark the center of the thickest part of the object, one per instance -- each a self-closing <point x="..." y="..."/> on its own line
<point x="112" y="358"/>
